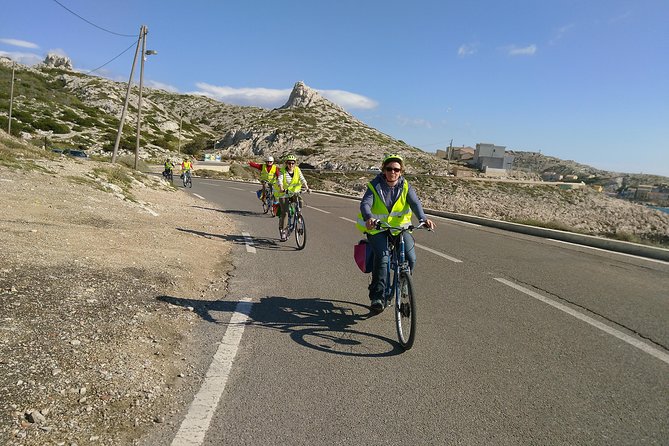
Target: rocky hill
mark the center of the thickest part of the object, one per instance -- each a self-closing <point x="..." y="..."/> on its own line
<point x="64" y="107"/>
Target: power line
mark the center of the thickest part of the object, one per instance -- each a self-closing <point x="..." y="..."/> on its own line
<point x="91" y="23"/>
<point x="111" y="60"/>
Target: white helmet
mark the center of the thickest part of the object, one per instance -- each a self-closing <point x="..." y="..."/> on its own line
<point x="270" y="159"/>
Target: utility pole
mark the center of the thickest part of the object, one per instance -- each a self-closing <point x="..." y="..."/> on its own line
<point x="127" y="96"/>
<point x="448" y="156"/>
<point x="181" y="120"/>
<point x="11" y="101"/>
<point x="141" y="84"/>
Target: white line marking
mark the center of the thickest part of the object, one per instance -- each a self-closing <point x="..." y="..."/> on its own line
<point x="194" y="427"/>
<point x="236" y="188"/>
<point x="248" y="241"/>
<point x="348" y="219"/>
<point x="659" y="354"/>
<point x="612" y="252"/>
<point x="199" y="196"/>
<point x="440" y="254"/>
<point x="319" y="210"/>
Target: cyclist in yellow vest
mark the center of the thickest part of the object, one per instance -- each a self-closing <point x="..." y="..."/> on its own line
<point x="391" y="199"/>
<point x="186" y="166"/>
<point x="292" y="180"/>
<point x="269" y="174"/>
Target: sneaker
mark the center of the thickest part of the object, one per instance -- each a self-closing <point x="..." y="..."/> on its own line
<point x="284" y="235"/>
<point x="377" y="306"/>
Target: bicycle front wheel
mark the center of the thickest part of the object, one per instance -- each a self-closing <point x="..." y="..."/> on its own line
<point x="405" y="312"/>
<point x="266" y="206"/>
<point x="300" y="232"/>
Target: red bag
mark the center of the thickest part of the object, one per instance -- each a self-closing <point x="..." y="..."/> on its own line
<point x="364" y="256"/>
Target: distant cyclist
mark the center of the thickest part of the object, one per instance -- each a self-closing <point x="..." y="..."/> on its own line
<point x="390" y="199"/>
<point x="186" y="167"/>
<point x="269" y="174"/>
<point x="169" y="166"/>
<point x="290" y="180"/>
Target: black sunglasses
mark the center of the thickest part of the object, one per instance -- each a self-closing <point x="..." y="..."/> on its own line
<point x="290" y="162"/>
<point x="393" y="169"/>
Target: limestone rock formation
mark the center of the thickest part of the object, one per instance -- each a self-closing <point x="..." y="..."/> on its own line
<point x="53" y="60"/>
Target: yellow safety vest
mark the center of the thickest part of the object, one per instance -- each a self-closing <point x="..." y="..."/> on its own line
<point x="399" y="215"/>
<point x="295" y="184"/>
<point x="268" y="175"/>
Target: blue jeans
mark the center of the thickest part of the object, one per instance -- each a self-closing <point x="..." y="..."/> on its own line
<point x="379" y="243"/>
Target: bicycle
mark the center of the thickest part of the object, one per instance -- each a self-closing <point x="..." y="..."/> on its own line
<point x="268" y="202"/>
<point x="295" y="219"/>
<point x="168" y="175"/>
<point x="187" y="179"/>
<point x="401" y="287"/>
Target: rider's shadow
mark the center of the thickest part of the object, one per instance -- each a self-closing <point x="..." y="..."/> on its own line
<point x="256" y="242"/>
<point x="324" y="325"/>
<point x="242" y="212"/>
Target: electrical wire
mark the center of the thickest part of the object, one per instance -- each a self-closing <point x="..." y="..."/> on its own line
<point x="91" y="23"/>
<point x="110" y="61"/>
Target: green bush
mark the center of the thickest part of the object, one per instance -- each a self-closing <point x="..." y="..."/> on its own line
<point x="49" y="124"/>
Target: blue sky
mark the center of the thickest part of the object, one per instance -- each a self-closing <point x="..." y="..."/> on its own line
<point x="576" y="79"/>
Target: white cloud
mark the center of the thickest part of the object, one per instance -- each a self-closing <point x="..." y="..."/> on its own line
<point x="23" y="58"/>
<point x="262" y="97"/>
<point x="406" y="121"/>
<point x="348" y="100"/>
<point x="524" y="51"/>
<point x="58" y="52"/>
<point x="272" y="98"/>
<point x="467" y="49"/>
<point x="560" y="33"/>
<point x="19" y="43"/>
<point x="161" y="86"/>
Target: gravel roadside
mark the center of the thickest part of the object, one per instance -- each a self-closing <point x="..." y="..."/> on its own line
<point x="92" y="348"/>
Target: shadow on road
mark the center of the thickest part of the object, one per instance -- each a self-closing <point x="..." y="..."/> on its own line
<point x="320" y="324"/>
<point x="242" y="212"/>
<point x="256" y="242"/>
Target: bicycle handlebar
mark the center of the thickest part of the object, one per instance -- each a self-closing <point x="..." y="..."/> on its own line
<point x="381" y="225"/>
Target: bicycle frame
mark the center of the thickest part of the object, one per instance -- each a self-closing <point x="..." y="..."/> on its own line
<point x="296" y="205"/>
<point x="397" y="265"/>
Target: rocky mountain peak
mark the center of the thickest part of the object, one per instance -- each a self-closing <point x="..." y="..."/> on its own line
<point x="53" y="60"/>
<point x="304" y="96"/>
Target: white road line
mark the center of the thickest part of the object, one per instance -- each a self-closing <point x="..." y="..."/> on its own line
<point x="194" y="427"/>
<point x="659" y="354"/>
<point x="612" y="252"/>
<point x="440" y="254"/>
<point x="348" y="219"/>
<point x="236" y="188"/>
<point x="199" y="196"/>
<point x="248" y="241"/>
<point x="319" y="210"/>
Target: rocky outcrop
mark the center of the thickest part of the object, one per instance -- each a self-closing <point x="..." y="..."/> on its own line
<point x="53" y="60"/>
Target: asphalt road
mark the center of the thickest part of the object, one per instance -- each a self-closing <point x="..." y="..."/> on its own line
<point x="520" y="340"/>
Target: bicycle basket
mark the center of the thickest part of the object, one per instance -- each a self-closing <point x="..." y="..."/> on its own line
<point x="363" y="256"/>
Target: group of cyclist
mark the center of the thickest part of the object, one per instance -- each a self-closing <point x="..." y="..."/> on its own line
<point x="286" y="183"/>
<point x="389" y="198"/>
<point x="186" y="166"/>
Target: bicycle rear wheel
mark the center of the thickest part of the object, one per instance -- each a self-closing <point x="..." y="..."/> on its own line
<point x="300" y="232"/>
<point x="405" y="312"/>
